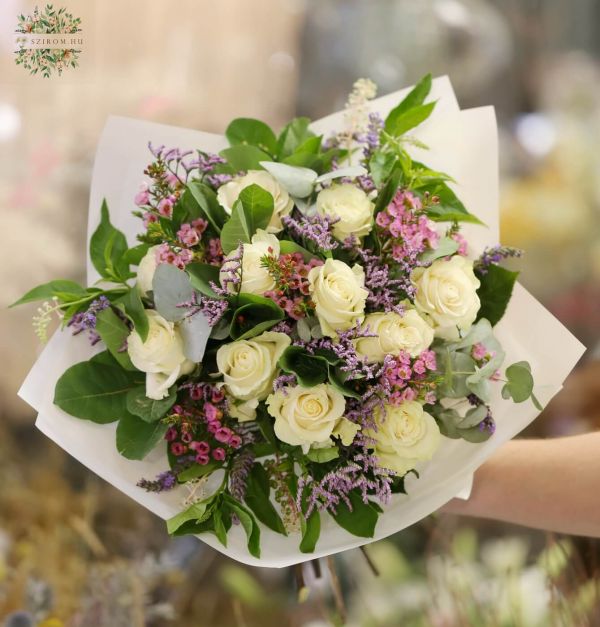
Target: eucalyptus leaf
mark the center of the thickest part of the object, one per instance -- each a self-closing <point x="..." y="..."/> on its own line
<point x="195" y="332"/>
<point x="171" y="287"/>
<point x="519" y="385"/>
<point x="351" y="171"/>
<point x="297" y="181"/>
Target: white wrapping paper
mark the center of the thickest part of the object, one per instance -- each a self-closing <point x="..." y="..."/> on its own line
<point x="463" y="144"/>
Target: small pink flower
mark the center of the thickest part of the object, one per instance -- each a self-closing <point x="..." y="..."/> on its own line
<point x="219" y="454"/>
<point x="171" y="179"/>
<point x="142" y="197"/>
<point x="419" y="366"/>
<point x="383" y="219"/>
<point x="217" y="395"/>
<point x="149" y="218"/>
<point x="429" y="358"/>
<point x="188" y="235"/>
<point x="478" y="351"/>
<point x="235" y="441"/>
<point x="200" y="225"/>
<point x="214" y="426"/>
<point x="196" y="393"/>
<point x="223" y="434"/>
<point x="210" y="411"/>
<point x="165" y="208"/>
<point x="496" y="376"/>
<point x="186" y="437"/>
<point x="462" y="243"/>
<point x="171" y="434"/>
<point x="200" y="447"/>
<point x="404" y="372"/>
<point x="408" y="394"/>
<point x="430" y="398"/>
<point x="202" y="459"/>
<point x="177" y="448"/>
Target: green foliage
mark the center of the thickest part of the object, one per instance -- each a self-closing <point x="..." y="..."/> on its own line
<point x="247" y="521"/>
<point x="107" y="249"/>
<point x="495" y="292"/>
<point x="381" y="165"/>
<point x="114" y="332"/>
<point x="449" y="208"/>
<point x="254" y="315"/>
<point x="132" y="305"/>
<point x="252" y="211"/>
<point x="323" y="455"/>
<point x="136" y="437"/>
<point x="309" y="369"/>
<point x="293" y="136"/>
<point x="414" y="100"/>
<point x="51" y="290"/>
<point x="96" y="390"/>
<point x="247" y="131"/>
<point x="455" y="426"/>
<point x="201" y="275"/>
<point x="519" y="384"/>
<point x="311" y="530"/>
<point x="146" y="408"/>
<point x="257" y="499"/>
<point x="360" y="520"/>
<point x="200" y="201"/>
<point x="171" y="287"/>
<point x="446" y="246"/>
<point x="245" y="157"/>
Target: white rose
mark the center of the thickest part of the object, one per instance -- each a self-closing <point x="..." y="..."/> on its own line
<point x="351" y="205"/>
<point x="255" y="277"/>
<point x="305" y="416"/>
<point x="346" y="431"/>
<point x="249" y="366"/>
<point x="339" y="295"/>
<point x="146" y="271"/>
<point x="394" y="333"/>
<point x="405" y="435"/>
<point x="282" y="203"/>
<point x="161" y="356"/>
<point x="447" y="292"/>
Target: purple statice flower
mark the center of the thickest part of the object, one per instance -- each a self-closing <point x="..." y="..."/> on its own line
<point x="316" y="229"/>
<point x="216" y="180"/>
<point x="231" y="272"/>
<point x="383" y="290"/>
<point x="488" y="424"/>
<point x="493" y="256"/>
<point x="371" y="139"/>
<point x="86" y="320"/>
<point x="213" y="309"/>
<point x="284" y="381"/>
<point x="166" y="480"/>
<point x="238" y="475"/>
<point x="362" y="474"/>
<point x="285" y="326"/>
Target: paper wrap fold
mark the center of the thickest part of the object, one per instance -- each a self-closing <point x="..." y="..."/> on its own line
<point x="461" y="143"/>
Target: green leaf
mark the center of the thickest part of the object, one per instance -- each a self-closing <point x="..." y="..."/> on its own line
<point x="381" y="165"/>
<point x="254" y="315"/>
<point x="171" y="287"/>
<point x="519" y="385"/>
<point x="201" y="276"/>
<point x="287" y="247"/>
<point x="50" y="290"/>
<point x="323" y="455"/>
<point x="148" y="409"/>
<point x="196" y="471"/>
<point x="196" y="512"/>
<point x="456" y="367"/>
<point x="108" y="247"/>
<point x="311" y="530"/>
<point x="408" y="120"/>
<point x="248" y="523"/>
<point x="201" y="202"/>
<point x="94" y="391"/>
<point x="310" y="370"/>
<point x="252" y="211"/>
<point x="361" y="520"/>
<point x="446" y="246"/>
<point x="252" y="132"/>
<point x="134" y="255"/>
<point x="219" y="526"/>
<point x="338" y="378"/>
<point x="265" y="423"/>
<point x="243" y="158"/>
<point x="495" y="292"/>
<point x="136" y="437"/>
<point x="134" y="310"/>
<point x="257" y="499"/>
<point x="114" y="332"/>
<point x="449" y="208"/>
<point x="415" y="98"/>
<point x="298" y="181"/>
<point x="293" y="136"/>
<point x="389" y="189"/>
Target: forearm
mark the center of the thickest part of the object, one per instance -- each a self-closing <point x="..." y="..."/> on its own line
<point x="548" y="484"/>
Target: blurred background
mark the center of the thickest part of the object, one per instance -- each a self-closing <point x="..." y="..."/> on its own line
<point x="73" y="550"/>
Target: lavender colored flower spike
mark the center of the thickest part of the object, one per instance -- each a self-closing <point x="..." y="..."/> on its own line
<point x="86" y="320"/>
<point x="494" y="255"/>
<point x="316" y="229"/>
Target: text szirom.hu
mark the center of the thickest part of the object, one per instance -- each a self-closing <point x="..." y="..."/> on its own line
<point x="42" y="41"/>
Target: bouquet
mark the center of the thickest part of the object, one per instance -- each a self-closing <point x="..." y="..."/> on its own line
<point x="302" y="326"/>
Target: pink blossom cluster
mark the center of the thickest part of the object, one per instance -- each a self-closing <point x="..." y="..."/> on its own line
<point x="190" y="234"/>
<point x="410" y="231"/>
<point x="179" y="258"/>
<point x="481" y="354"/>
<point x="409" y="378"/>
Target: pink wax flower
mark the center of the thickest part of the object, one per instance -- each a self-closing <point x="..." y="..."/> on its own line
<point x="419" y="366"/>
<point x="171" y="179"/>
<point x="149" y="218"/>
<point x="211" y="412"/>
<point x="235" y="441"/>
<point x="214" y="426"/>
<point x="217" y="395"/>
<point x="196" y="393"/>
<point x="430" y="398"/>
<point x="177" y="448"/>
<point x="200" y="225"/>
<point x="202" y="459"/>
<point x="383" y="219"/>
<point x="186" y="437"/>
<point x="200" y="447"/>
<point x="404" y="372"/>
<point x="219" y="454"/>
<point x="188" y="235"/>
<point x="171" y="434"/>
<point x="223" y="434"/>
<point x="408" y="394"/>
<point x="429" y="358"/>
<point x="142" y="197"/>
<point x="462" y="243"/>
<point x="165" y="208"/>
<point x="478" y="351"/>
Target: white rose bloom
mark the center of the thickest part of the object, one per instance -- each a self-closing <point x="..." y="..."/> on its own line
<point x="339" y="295"/>
<point x="351" y="205"/>
<point x="282" y="203"/>
<point x="161" y="356"/>
<point x="249" y="366"/>
<point x="305" y="416"/>
<point x="395" y="333"/>
<point x="405" y="435"/>
<point x="146" y="271"/>
<point x="447" y="292"/>
<point x="255" y="277"/>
